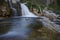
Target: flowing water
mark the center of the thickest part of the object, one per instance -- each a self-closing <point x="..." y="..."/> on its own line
<point x="17" y="26"/>
<point x="20" y="27"/>
<point x="13" y="10"/>
<point x="26" y="12"/>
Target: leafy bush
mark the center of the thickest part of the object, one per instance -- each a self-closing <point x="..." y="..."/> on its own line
<point x="54" y="8"/>
<point x="29" y="4"/>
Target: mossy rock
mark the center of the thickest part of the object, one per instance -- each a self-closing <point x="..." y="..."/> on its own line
<point x="36" y="25"/>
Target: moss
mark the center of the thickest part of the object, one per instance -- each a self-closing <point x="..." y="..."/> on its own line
<point x="54" y="8"/>
<point x="45" y="34"/>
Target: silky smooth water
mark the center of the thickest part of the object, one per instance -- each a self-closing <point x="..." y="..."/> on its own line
<point x="17" y="27"/>
<point x="21" y="27"/>
<point x="26" y="12"/>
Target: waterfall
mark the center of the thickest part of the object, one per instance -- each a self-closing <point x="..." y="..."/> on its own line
<point x="20" y="26"/>
<point x="26" y="12"/>
<point x="23" y="7"/>
<point x="10" y="3"/>
<point x="13" y="10"/>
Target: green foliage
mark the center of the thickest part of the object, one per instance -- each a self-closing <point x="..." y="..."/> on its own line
<point x="29" y="4"/>
<point x="42" y="6"/>
<point x="22" y="1"/>
<point x="35" y="6"/>
<point x="55" y="8"/>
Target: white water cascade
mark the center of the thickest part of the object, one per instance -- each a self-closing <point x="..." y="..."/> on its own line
<point x="13" y="10"/>
<point x="26" y="12"/>
<point x="20" y="25"/>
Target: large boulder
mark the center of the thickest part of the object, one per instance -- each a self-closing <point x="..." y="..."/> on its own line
<point x="50" y="15"/>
